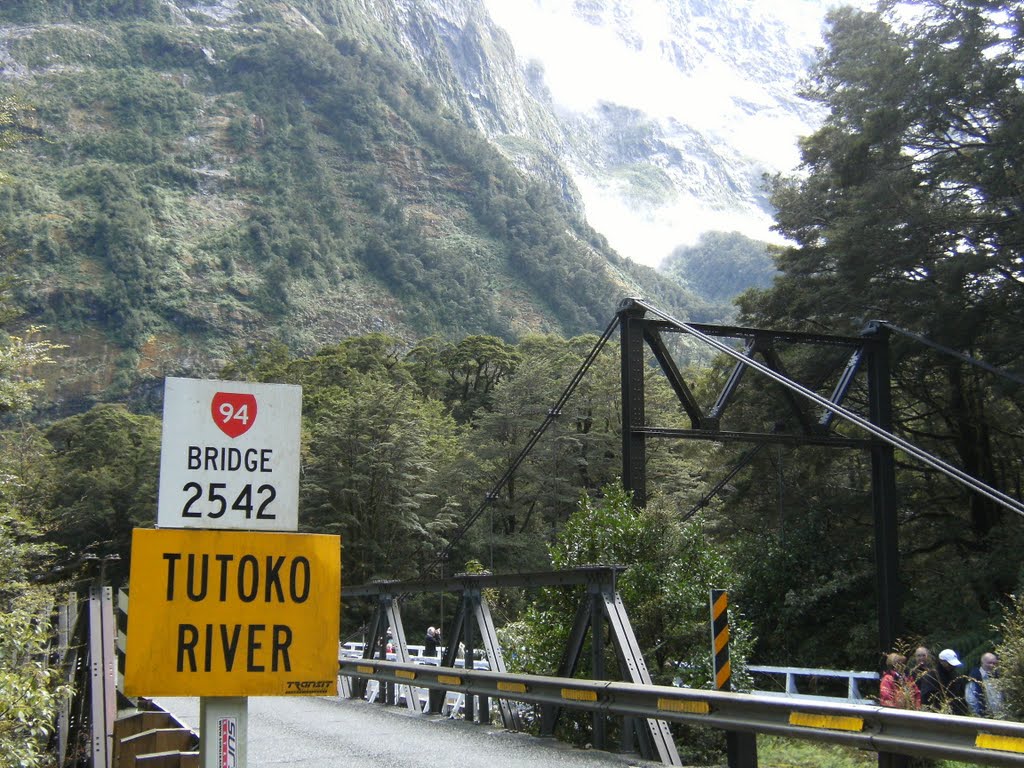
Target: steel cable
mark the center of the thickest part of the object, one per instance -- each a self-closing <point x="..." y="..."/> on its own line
<point x="553" y="413"/>
<point x="936" y="463"/>
<point x="952" y="352"/>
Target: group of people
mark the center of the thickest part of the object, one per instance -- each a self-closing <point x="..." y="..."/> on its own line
<point x="942" y="686"/>
<point x="431" y="643"/>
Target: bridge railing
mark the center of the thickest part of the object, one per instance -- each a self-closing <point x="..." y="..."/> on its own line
<point x="600" y="609"/>
<point x="84" y="648"/>
<point x="863" y="726"/>
<point x="809" y="682"/>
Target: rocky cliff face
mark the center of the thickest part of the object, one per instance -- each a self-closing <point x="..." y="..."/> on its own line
<point x="659" y="117"/>
<point x="472" y="61"/>
<point x="218" y="172"/>
<point x="215" y="174"/>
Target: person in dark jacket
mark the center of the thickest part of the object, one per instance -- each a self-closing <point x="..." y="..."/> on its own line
<point x="923" y="673"/>
<point x="952" y="683"/>
<point x="430" y="642"/>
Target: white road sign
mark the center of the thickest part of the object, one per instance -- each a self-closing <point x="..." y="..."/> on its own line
<point x="230" y="455"/>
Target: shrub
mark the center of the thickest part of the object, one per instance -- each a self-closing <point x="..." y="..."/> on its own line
<point x="1011" y="658"/>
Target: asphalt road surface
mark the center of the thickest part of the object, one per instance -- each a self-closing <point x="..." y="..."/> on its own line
<point x="303" y="732"/>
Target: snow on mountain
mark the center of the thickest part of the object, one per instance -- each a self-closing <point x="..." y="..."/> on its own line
<point x="672" y="110"/>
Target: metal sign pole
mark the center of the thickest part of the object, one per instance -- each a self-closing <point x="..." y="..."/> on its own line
<point x="223" y="731"/>
<point x="741" y="745"/>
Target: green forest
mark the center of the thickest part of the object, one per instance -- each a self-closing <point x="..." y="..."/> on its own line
<point x="191" y="186"/>
<point x="906" y="208"/>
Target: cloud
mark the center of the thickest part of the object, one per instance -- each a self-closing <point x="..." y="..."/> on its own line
<point x="741" y="101"/>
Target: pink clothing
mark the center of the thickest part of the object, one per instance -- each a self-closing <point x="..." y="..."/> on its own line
<point x="897" y="690"/>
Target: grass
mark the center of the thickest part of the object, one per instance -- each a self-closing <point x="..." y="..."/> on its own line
<point x="778" y="752"/>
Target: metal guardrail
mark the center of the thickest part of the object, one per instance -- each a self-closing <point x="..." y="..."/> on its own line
<point x="601" y="609"/>
<point x="873" y="728"/>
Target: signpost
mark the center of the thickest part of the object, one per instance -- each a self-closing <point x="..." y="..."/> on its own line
<point x="243" y="606"/>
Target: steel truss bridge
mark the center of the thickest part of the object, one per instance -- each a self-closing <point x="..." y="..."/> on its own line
<point x="95" y="731"/>
<point x="648" y="709"/>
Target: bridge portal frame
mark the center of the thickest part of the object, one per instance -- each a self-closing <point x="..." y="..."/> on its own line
<point x="870" y="350"/>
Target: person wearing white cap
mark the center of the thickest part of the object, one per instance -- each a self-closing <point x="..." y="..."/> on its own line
<point x="952" y="684"/>
<point x="949" y="656"/>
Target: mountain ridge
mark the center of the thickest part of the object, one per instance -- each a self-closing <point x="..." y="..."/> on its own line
<point x="687" y="104"/>
<point x="212" y="175"/>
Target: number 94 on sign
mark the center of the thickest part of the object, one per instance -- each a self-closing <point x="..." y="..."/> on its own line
<point x="214" y="500"/>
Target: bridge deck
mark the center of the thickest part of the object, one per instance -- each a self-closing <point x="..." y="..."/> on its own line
<point x="308" y="732"/>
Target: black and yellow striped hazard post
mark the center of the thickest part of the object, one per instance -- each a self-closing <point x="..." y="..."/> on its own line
<point x="720" y="639"/>
<point x="742" y="745"/>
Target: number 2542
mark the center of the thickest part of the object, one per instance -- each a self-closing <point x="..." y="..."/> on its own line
<point x="244" y="501"/>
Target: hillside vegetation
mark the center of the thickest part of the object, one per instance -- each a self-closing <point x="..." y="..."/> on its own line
<point x="202" y="176"/>
<point x="721" y="265"/>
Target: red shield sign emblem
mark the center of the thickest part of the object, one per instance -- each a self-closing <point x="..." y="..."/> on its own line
<point x="233" y="412"/>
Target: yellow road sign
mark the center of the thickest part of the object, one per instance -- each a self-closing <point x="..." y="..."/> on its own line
<point x="232" y="613"/>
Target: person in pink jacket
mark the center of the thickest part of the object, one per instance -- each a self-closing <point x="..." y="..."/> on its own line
<point x="897" y="688"/>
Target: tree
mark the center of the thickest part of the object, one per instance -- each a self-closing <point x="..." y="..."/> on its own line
<point x="19" y="355"/>
<point x="802" y="550"/>
<point x="906" y="209"/>
<point x="579" y="451"/>
<point x="108" y="462"/>
<point x="670" y="569"/>
<point x="1011" y="658"/>
<point x="721" y="265"/>
<point x="378" y="474"/>
<point x="29" y="689"/>
<point x="575" y="452"/>
<point x="475" y="366"/>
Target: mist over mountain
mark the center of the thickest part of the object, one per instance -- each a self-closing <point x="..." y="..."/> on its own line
<point x="685" y="105"/>
<point x="664" y="114"/>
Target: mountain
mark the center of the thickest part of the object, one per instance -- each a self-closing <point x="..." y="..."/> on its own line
<point x="656" y="118"/>
<point x="203" y="175"/>
<point x="666" y="113"/>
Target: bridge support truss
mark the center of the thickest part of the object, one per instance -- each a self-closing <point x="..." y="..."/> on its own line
<point x="641" y="327"/>
<point x="601" y="607"/>
<point x="638" y="332"/>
